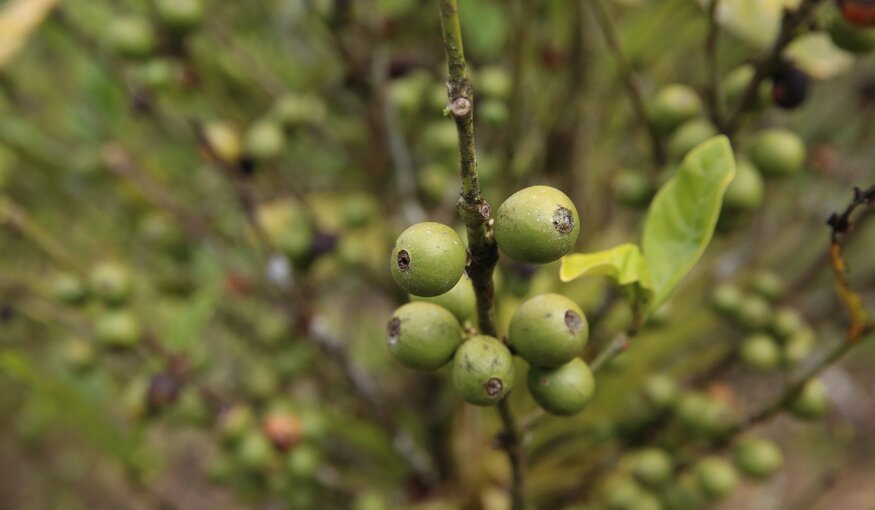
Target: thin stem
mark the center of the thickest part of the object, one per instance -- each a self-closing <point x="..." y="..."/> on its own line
<point x="614" y="348"/>
<point x="476" y="213"/>
<point x="790" y="25"/>
<point x="712" y="85"/>
<point x="630" y="80"/>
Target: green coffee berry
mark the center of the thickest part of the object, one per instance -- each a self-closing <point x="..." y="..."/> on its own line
<point x="727" y="299"/>
<point x="716" y="477"/>
<point x="778" y="152"/>
<point x="746" y="191"/>
<point x="672" y="106"/>
<point x="799" y="346"/>
<point x="850" y="37"/>
<point x="428" y="259"/>
<point x="303" y="461"/>
<point x="359" y="210"/>
<point x="287" y="228"/>
<point x="621" y="493"/>
<point x="704" y="416"/>
<point x="111" y="283"/>
<point x="786" y="322"/>
<point x="423" y="335"/>
<point x="811" y="402"/>
<point x="69" y="289"/>
<point x="483" y="371"/>
<point x="653" y="467"/>
<point x="265" y="140"/>
<point x="564" y="390"/>
<point x="118" y="329"/>
<point x="79" y="354"/>
<point x="158" y="73"/>
<point x="180" y="16"/>
<point x="690" y="135"/>
<point x="254" y="452"/>
<point x="758" y="458"/>
<point x="754" y="313"/>
<point x="132" y="36"/>
<point x="684" y="494"/>
<point x="548" y="330"/>
<point x="293" y="110"/>
<point x="760" y="352"/>
<point x="537" y="225"/>
<point x="768" y="285"/>
<point x="224" y="140"/>
<point x="660" y="392"/>
<point x="234" y="422"/>
<point x="460" y="300"/>
<point x="632" y="188"/>
<point x="735" y="84"/>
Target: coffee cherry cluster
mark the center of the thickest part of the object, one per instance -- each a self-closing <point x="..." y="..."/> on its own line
<point x="535" y="225"/>
<point x="651" y="477"/>
<point x="776" y="337"/>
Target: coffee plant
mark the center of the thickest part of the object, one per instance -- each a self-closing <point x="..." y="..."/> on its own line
<point x="628" y="243"/>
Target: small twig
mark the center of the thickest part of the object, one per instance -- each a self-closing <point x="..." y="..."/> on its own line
<point x="712" y="84"/>
<point x="615" y="347"/>
<point x="630" y="80"/>
<point x="790" y="25"/>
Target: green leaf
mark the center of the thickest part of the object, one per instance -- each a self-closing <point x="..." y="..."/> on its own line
<point x="682" y="216"/>
<point x="623" y="263"/>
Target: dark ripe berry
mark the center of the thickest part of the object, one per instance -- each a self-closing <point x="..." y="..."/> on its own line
<point x="537" y="225"/>
<point x="548" y="330"/>
<point x="423" y="336"/>
<point x="858" y="12"/>
<point x="483" y="371"/>
<point x="428" y="259"/>
<point x="284" y="430"/>
<point x="789" y="86"/>
<point x="564" y="390"/>
<point x="163" y="391"/>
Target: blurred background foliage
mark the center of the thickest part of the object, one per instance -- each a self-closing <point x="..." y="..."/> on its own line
<point x="156" y="352"/>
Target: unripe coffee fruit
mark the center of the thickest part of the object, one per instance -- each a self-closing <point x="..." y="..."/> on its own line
<point x="672" y="106"/>
<point x="564" y="390"/>
<point x="537" y="225"/>
<point x="428" y="259"/>
<point x="460" y="300"/>
<point x="716" y="477"/>
<point x="760" y="352"/>
<point x="810" y="403"/>
<point x="111" y="283"/>
<point x="483" y="370"/>
<point x="548" y="330"/>
<point x="118" y="329"/>
<point x="778" y="152"/>
<point x="758" y="458"/>
<point x="423" y="336"/>
<point x="653" y="467"/>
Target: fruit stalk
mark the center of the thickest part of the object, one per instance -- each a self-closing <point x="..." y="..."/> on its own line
<point x="476" y="214"/>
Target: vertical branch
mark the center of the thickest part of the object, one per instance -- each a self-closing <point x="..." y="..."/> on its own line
<point x="630" y="81"/>
<point x="712" y="83"/>
<point x="476" y="213"/>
